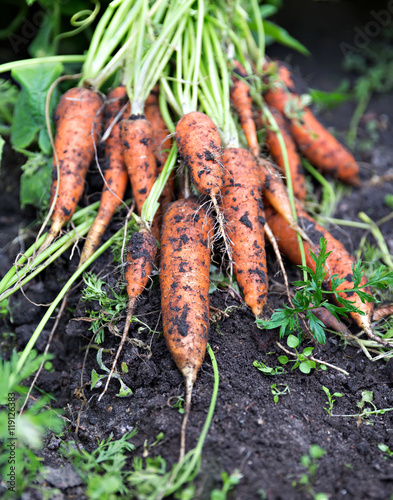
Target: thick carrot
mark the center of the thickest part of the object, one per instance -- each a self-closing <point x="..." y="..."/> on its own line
<point x="78" y="124"/>
<point x="339" y="262"/>
<point x="141" y="254"/>
<point x="294" y="161"/>
<point x="138" y="153"/>
<point x="243" y="210"/>
<point x="184" y="282"/>
<point x="162" y="142"/>
<point x="115" y="177"/>
<point x="315" y="142"/>
<point x="199" y="144"/>
<point x="242" y="102"/>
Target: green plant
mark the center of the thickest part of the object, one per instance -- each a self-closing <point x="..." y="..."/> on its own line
<point x="310" y="463"/>
<point x="310" y="293"/>
<point x="103" y="469"/>
<point x="385" y="450"/>
<point x="228" y="483"/>
<point x="21" y="436"/>
<point x="96" y="379"/>
<point x="267" y="370"/>
<point x="277" y="392"/>
<point x="330" y="402"/>
<point x="303" y="359"/>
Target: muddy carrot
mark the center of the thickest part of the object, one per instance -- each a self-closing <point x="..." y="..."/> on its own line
<point x="184" y="282"/>
<point x="242" y="102"/>
<point x="78" y="124"/>
<point x="115" y="176"/>
<point x="294" y="161"/>
<point x="315" y="142"/>
<point x="244" y="214"/>
<point x="138" y="152"/>
<point x="141" y="254"/>
<point x="339" y="262"/>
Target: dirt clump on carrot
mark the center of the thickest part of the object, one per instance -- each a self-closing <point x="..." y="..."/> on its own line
<point x="78" y="125"/>
<point x="186" y="236"/>
<point x="244" y="214"/>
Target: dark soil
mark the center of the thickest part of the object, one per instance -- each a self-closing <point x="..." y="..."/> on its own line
<point x="250" y="432"/>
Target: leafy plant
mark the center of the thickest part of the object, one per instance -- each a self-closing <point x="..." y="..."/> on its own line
<point x="267" y="370"/>
<point x="310" y="294"/>
<point x="302" y="361"/>
<point x="96" y="379"/>
<point x="229" y="482"/>
<point x="385" y="450"/>
<point x="277" y="392"/>
<point x="330" y="402"/>
<point x="310" y="463"/>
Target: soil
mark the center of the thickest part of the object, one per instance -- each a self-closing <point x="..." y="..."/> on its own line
<point x="250" y="432"/>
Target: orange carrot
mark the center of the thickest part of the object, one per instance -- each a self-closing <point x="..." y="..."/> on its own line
<point x="339" y="262"/>
<point x="78" y="124"/>
<point x="141" y="254"/>
<point x="315" y="142"/>
<point x="199" y="144"/>
<point x="184" y="282"/>
<point x="242" y="101"/>
<point x="294" y="161"/>
<point x="162" y="143"/>
<point x="138" y="151"/>
<point x="330" y="321"/>
<point x="243" y="209"/>
<point x="115" y="177"/>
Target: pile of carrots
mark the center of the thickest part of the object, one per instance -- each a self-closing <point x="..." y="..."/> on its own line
<point x="165" y="111"/>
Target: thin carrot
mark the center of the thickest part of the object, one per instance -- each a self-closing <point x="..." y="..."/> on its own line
<point x="339" y="262"/>
<point x="315" y="142"/>
<point x="295" y="164"/>
<point x="141" y="254"/>
<point x="138" y="152"/>
<point x="162" y="142"/>
<point x="330" y="321"/>
<point x="184" y="282"/>
<point x="243" y="209"/>
<point x="115" y="177"/>
<point x="242" y="101"/>
<point x="78" y="124"/>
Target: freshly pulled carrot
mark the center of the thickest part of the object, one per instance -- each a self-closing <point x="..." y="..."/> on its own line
<point x="294" y="161"/>
<point x="78" y="124"/>
<point x="382" y="311"/>
<point x="339" y="262"/>
<point x="243" y="209"/>
<point x="141" y="254"/>
<point x="199" y="144"/>
<point x="242" y="101"/>
<point x="184" y="282"/>
<point x="138" y="152"/>
<point x="315" y="142"/>
<point x="115" y="176"/>
<point x="330" y="321"/>
<point x="162" y="143"/>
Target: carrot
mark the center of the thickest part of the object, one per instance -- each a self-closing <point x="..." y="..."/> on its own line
<point x="295" y="164"/>
<point x="199" y="144"/>
<point x="138" y="152"/>
<point x="330" y="321"/>
<point x="184" y="282"/>
<point x="78" y="123"/>
<point x="339" y="262"/>
<point x="242" y="102"/>
<point x="162" y="142"/>
<point x="243" y="209"/>
<point x="115" y="178"/>
<point x="141" y="254"/>
<point x="382" y="311"/>
<point x="315" y="142"/>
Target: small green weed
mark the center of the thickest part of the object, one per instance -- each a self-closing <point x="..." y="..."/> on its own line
<point x="228" y="483"/>
<point x="385" y="450"/>
<point x="302" y="359"/>
<point x="96" y="379"/>
<point x="277" y="392"/>
<point x="330" y="402"/>
<point x="267" y="370"/>
<point x="310" y="463"/>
